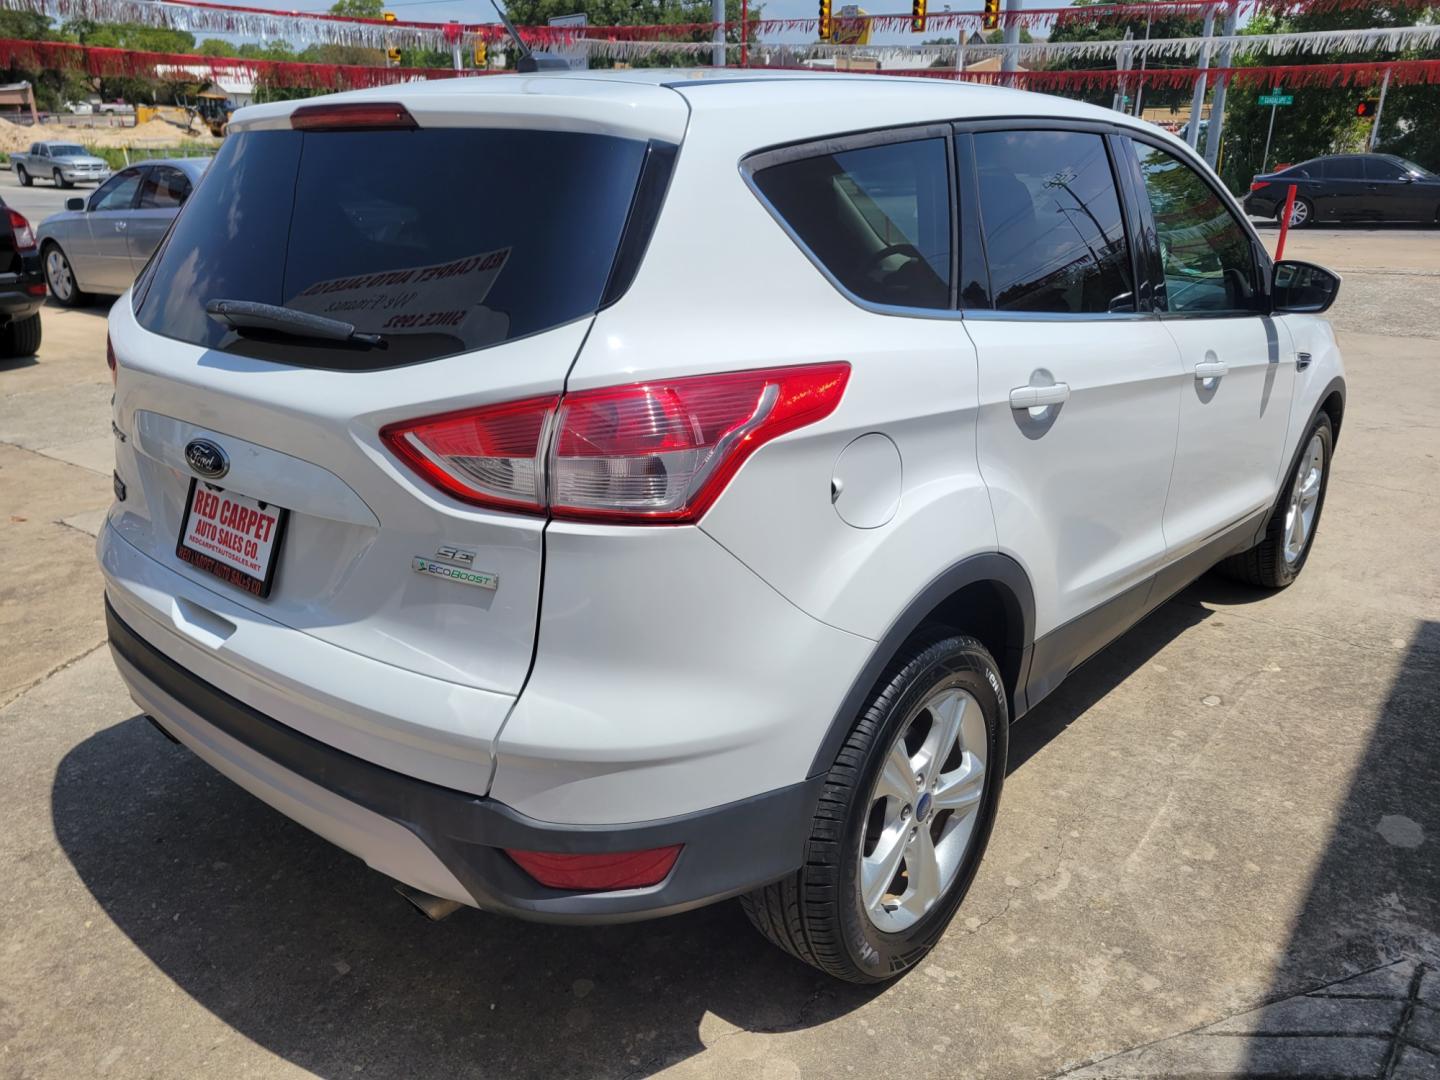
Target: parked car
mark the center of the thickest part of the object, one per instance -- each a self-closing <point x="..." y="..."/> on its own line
<point x="22" y="287"/>
<point x="1348" y="187"/>
<point x="63" y="164"/>
<point x="99" y="244"/>
<point x="516" y="554"/>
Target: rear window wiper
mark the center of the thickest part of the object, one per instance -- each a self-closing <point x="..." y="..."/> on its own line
<point x="243" y="315"/>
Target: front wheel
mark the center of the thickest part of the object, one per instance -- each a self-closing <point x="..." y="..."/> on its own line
<point x="60" y="276"/>
<point x="902" y="821"/>
<point x="24" y="177"/>
<point x="60" y="180"/>
<point x="1278" y="559"/>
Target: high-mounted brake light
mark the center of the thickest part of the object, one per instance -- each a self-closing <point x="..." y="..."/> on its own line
<point x="654" y="452"/>
<point x="596" y="873"/>
<point x="375" y="116"/>
<point x="24" y="233"/>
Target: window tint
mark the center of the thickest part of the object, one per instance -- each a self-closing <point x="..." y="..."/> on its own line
<point x="1345" y="168"/>
<point x="1051" y="218"/>
<point x="497" y="235"/>
<point x="1205" y="255"/>
<point x="164" y="189"/>
<point x="1378" y="168"/>
<point x="878" y="218"/>
<point x="117" y="193"/>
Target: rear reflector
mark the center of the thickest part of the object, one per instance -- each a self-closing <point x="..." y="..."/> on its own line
<point x="376" y="116"/>
<point x="1256" y="185"/>
<point x="597" y="873"/>
<point x="656" y="452"/>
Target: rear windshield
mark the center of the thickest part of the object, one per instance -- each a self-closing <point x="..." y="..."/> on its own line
<point x="440" y="240"/>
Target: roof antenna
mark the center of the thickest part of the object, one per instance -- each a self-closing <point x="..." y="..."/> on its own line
<point x="529" y="60"/>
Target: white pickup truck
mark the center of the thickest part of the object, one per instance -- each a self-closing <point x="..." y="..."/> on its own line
<point x="65" y="164"/>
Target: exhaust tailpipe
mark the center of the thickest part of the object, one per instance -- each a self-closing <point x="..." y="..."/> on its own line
<point x="433" y="908"/>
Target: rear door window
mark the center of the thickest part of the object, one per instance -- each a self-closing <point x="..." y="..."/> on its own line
<point x="877" y="218"/>
<point x="1344" y="168"/>
<point x="441" y="240"/>
<point x="1050" y="213"/>
<point x="164" y="189"/>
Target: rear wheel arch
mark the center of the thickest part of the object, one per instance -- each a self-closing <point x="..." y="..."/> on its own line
<point x="986" y="596"/>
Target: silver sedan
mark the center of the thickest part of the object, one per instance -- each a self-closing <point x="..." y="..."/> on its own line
<point x="99" y="244"/>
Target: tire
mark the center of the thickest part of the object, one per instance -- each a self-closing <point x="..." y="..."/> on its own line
<point x="820" y="914"/>
<point x="1277" y="560"/>
<point x="20" y="337"/>
<point x="60" y="277"/>
<point x="1302" y="214"/>
<point x="24" y="177"/>
<point x="60" y="180"/>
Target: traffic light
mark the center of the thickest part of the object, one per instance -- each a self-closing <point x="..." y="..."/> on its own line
<point x="1365" y="108"/>
<point x="482" y="59"/>
<point x="917" y="15"/>
<point x="992" y="15"/>
<point x="825" y="27"/>
<point x="393" y="56"/>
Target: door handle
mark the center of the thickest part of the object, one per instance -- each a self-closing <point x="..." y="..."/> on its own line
<point x="1038" y="397"/>
<point x="1210" y="369"/>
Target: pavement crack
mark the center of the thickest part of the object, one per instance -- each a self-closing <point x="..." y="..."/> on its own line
<point x="1392" y="1059"/>
<point x="22" y="691"/>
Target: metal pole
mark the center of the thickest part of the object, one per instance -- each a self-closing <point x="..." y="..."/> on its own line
<point x="1379" y="108"/>
<point x="1265" y="157"/>
<point x="744" y="33"/>
<point x="960" y="51"/>
<point x="717" y="16"/>
<point x="1011" y="60"/>
<point x="1217" y="110"/>
<point x="1122" y="63"/>
<point x="1144" y="63"/>
<point x="1197" y="99"/>
<point x="455" y="57"/>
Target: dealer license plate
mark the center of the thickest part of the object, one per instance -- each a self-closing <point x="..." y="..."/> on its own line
<point x="232" y="536"/>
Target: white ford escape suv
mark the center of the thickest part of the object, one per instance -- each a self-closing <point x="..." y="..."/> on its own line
<point x="587" y="497"/>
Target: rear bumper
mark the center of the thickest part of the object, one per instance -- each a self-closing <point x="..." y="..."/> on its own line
<point x="449" y="842"/>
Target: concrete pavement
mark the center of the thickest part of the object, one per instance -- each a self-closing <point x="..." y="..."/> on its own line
<point x="1230" y="815"/>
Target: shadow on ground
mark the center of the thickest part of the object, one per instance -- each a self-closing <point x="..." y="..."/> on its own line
<point x="302" y="949"/>
<point x="1375" y="895"/>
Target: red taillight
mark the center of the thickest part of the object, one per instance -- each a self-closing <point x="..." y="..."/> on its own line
<point x="110" y="359"/>
<point x="595" y="873"/>
<point x="1256" y="185"/>
<point x="650" y="452"/>
<point x="24" y="234"/>
<point x="491" y="456"/>
<point x="377" y="116"/>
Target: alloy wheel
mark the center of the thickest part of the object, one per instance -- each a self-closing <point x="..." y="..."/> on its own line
<point x="1304" y="500"/>
<point x="57" y="273"/>
<point x="923" y="809"/>
<point x="1299" y="213"/>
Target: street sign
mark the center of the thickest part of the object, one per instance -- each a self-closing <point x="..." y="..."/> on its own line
<point x="576" y="55"/>
<point x="1277" y="99"/>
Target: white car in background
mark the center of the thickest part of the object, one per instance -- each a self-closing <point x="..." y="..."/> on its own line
<point x="691" y="516"/>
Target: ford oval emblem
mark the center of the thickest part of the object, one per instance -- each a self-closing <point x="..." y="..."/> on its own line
<point x="207" y="459"/>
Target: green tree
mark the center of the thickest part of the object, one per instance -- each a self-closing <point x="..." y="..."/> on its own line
<point x="1322" y="120"/>
<point x="358" y="9"/>
<point x="1163" y="26"/>
<point x="631" y="12"/>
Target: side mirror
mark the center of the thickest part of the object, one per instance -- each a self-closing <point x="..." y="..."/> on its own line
<point x="1302" y="288"/>
<point x="74" y="204"/>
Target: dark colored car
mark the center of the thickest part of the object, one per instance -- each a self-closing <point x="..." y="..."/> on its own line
<point x="22" y="285"/>
<point x="1349" y="187"/>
